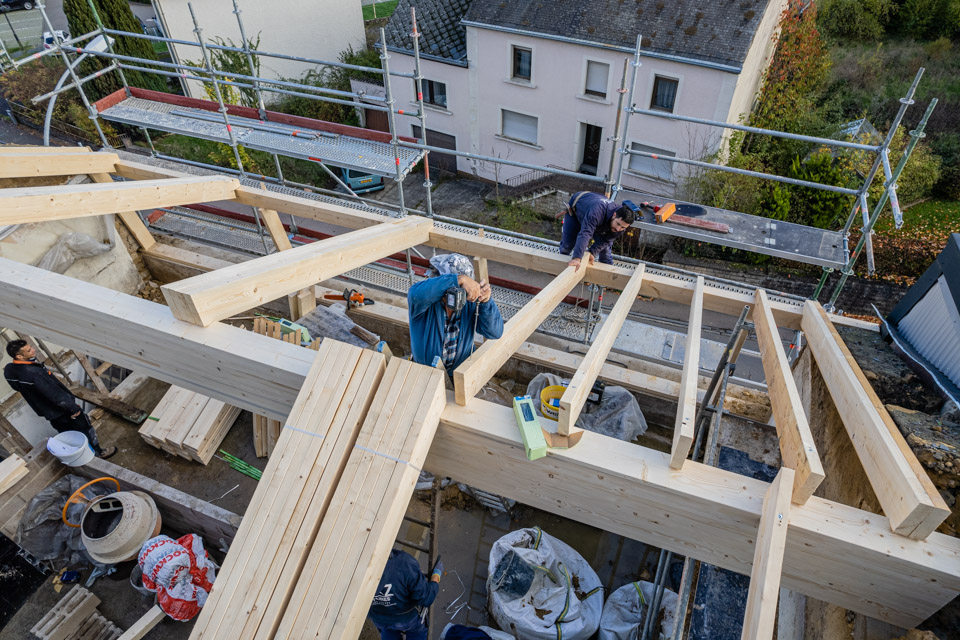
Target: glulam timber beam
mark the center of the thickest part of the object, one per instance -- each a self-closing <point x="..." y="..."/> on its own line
<point x="477" y="370"/>
<point x="33" y="165"/>
<point x="761" y="613"/>
<point x="907" y="496"/>
<point x="131" y="219"/>
<point x="798" y="450"/>
<point x="687" y="402"/>
<point x="219" y="294"/>
<point x="834" y="552"/>
<point x="39" y="204"/>
<point x="575" y="396"/>
<point x="16" y="150"/>
<point x="716" y="296"/>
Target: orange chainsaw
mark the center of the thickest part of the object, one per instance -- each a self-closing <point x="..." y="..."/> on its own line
<point x="352" y="297"/>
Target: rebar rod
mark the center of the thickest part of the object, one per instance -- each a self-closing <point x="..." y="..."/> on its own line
<point x="394" y="140"/>
<point x="422" y="116"/>
<point x="216" y="90"/>
<point x="636" y="64"/>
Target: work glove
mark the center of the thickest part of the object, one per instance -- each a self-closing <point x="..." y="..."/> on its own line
<point x="437" y="570"/>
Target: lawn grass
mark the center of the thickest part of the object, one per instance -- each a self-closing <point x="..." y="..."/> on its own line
<point x="382" y="10"/>
<point x="930" y="219"/>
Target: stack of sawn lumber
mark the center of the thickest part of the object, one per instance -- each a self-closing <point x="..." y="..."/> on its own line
<point x="12" y="469"/>
<point x="43" y="469"/>
<point x="332" y="495"/>
<point x="189" y="425"/>
<point x="75" y="617"/>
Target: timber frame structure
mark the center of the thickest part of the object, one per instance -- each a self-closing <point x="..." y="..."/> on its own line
<point x="893" y="567"/>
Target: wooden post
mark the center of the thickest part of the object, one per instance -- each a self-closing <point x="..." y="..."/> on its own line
<point x="687" y="404"/>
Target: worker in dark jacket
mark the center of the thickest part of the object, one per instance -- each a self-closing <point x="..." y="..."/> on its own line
<point x="47" y="396"/>
<point x="591" y="217"/>
<point x="442" y="324"/>
<point x="402" y="589"/>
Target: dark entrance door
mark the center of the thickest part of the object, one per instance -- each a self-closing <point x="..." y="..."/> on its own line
<point x="376" y="120"/>
<point x="444" y="162"/>
<point x="592" y="136"/>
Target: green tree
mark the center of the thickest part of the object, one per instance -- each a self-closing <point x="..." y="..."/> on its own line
<point x="856" y="19"/>
<point x="815" y="207"/>
<point x="115" y="14"/>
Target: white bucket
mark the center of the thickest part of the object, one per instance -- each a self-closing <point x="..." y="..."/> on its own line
<point x="71" y="448"/>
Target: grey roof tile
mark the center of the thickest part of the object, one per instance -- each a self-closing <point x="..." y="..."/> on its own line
<point x="442" y="35"/>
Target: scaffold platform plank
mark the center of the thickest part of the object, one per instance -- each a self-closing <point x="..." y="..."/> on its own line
<point x="366" y="151"/>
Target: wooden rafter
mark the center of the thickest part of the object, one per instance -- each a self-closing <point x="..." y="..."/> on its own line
<point x="798" y="450"/>
<point x="477" y="370"/>
<point x="38" y="204"/>
<point x="216" y="295"/>
<point x="130" y="219"/>
<point x="582" y="381"/>
<point x="908" y="497"/>
<point x="26" y="165"/>
<point x="764" y="591"/>
<point x="687" y="403"/>
<point x="834" y="552"/>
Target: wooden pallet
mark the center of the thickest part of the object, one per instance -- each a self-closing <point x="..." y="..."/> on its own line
<point x="96" y="627"/>
<point x="348" y="555"/>
<point x="298" y="483"/>
<point x="12" y="469"/>
<point x="189" y="425"/>
<point x="67" y="616"/>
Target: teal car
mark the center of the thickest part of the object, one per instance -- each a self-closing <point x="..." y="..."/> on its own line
<point x="360" y="182"/>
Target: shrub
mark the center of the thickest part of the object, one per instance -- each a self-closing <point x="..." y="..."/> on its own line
<point x="857" y="19"/>
<point x="815" y="207"/>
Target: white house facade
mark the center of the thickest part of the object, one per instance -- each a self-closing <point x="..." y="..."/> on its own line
<point x="523" y="85"/>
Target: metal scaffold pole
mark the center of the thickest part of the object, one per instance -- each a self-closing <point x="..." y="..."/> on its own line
<point x="915" y="136"/>
<point x="391" y="118"/>
<point x="418" y="78"/>
<point x="208" y="64"/>
<point x="626" y="120"/>
<point x="616" y="138"/>
<point x="91" y="112"/>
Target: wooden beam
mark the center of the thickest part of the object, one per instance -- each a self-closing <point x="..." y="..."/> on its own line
<point x="580" y="385"/>
<point x="94" y="378"/>
<point x="687" y="402"/>
<point x="477" y="370"/>
<point x="209" y="297"/>
<point x="798" y="450"/>
<point x="768" y="559"/>
<point x="145" y="624"/>
<point x="835" y="553"/>
<point x="906" y="494"/>
<point x="19" y="150"/>
<point x="716" y="296"/>
<point x="32" y="165"/>
<point x="481" y="270"/>
<point x="130" y="219"/>
<point x="39" y="204"/>
<point x="274" y="226"/>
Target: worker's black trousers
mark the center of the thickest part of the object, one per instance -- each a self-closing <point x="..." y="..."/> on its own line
<point x="82" y="424"/>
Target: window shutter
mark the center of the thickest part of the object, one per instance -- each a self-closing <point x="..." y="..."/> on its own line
<point x="596" y="83"/>
<point x="519" y="126"/>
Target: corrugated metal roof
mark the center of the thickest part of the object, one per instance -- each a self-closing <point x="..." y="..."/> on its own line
<point x="932" y="327"/>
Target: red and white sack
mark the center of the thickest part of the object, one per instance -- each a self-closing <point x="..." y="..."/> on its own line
<point x="180" y="572"/>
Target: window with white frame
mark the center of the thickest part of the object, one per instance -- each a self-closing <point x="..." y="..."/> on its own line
<point x="654" y="167"/>
<point x="595" y="84"/>
<point x="664" y="93"/>
<point x="434" y="93"/>
<point x="518" y="126"/>
<point x="522" y="68"/>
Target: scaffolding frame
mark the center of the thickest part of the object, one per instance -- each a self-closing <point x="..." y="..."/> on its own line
<point x="620" y="154"/>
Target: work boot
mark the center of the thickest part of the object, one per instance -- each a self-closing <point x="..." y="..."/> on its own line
<point x="106" y="453"/>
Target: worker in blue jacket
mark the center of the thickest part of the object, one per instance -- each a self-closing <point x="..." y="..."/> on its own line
<point x="402" y="589"/>
<point x="589" y="217"/>
<point x="443" y="319"/>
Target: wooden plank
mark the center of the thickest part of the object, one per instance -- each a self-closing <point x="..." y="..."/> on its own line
<point x="580" y="385"/>
<point x="32" y="165"/>
<point x="835" y="553"/>
<point x="274" y="227"/>
<point x="209" y="297"/>
<point x="798" y="450"/>
<point x="130" y="219"/>
<point x="761" y="610"/>
<point x="306" y="301"/>
<point x="20" y="150"/>
<point x="687" y="402"/>
<point x="39" y="204"/>
<point x="12" y="469"/>
<point x="147" y="621"/>
<point x="477" y="370"/>
<point x="481" y="270"/>
<point x="94" y="377"/>
<point x="906" y="494"/>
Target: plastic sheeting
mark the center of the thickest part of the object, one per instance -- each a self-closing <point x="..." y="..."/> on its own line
<point x="625" y="610"/>
<point x="68" y="248"/>
<point x="539" y="588"/>
<point x="617" y="415"/>
<point x="42" y="531"/>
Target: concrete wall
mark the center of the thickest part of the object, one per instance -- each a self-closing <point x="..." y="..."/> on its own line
<point x="318" y="29"/>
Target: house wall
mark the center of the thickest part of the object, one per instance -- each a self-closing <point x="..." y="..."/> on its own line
<point x="318" y="29"/>
<point x="758" y="57"/>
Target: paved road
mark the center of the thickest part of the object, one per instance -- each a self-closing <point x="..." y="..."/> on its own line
<point x="29" y="25"/>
